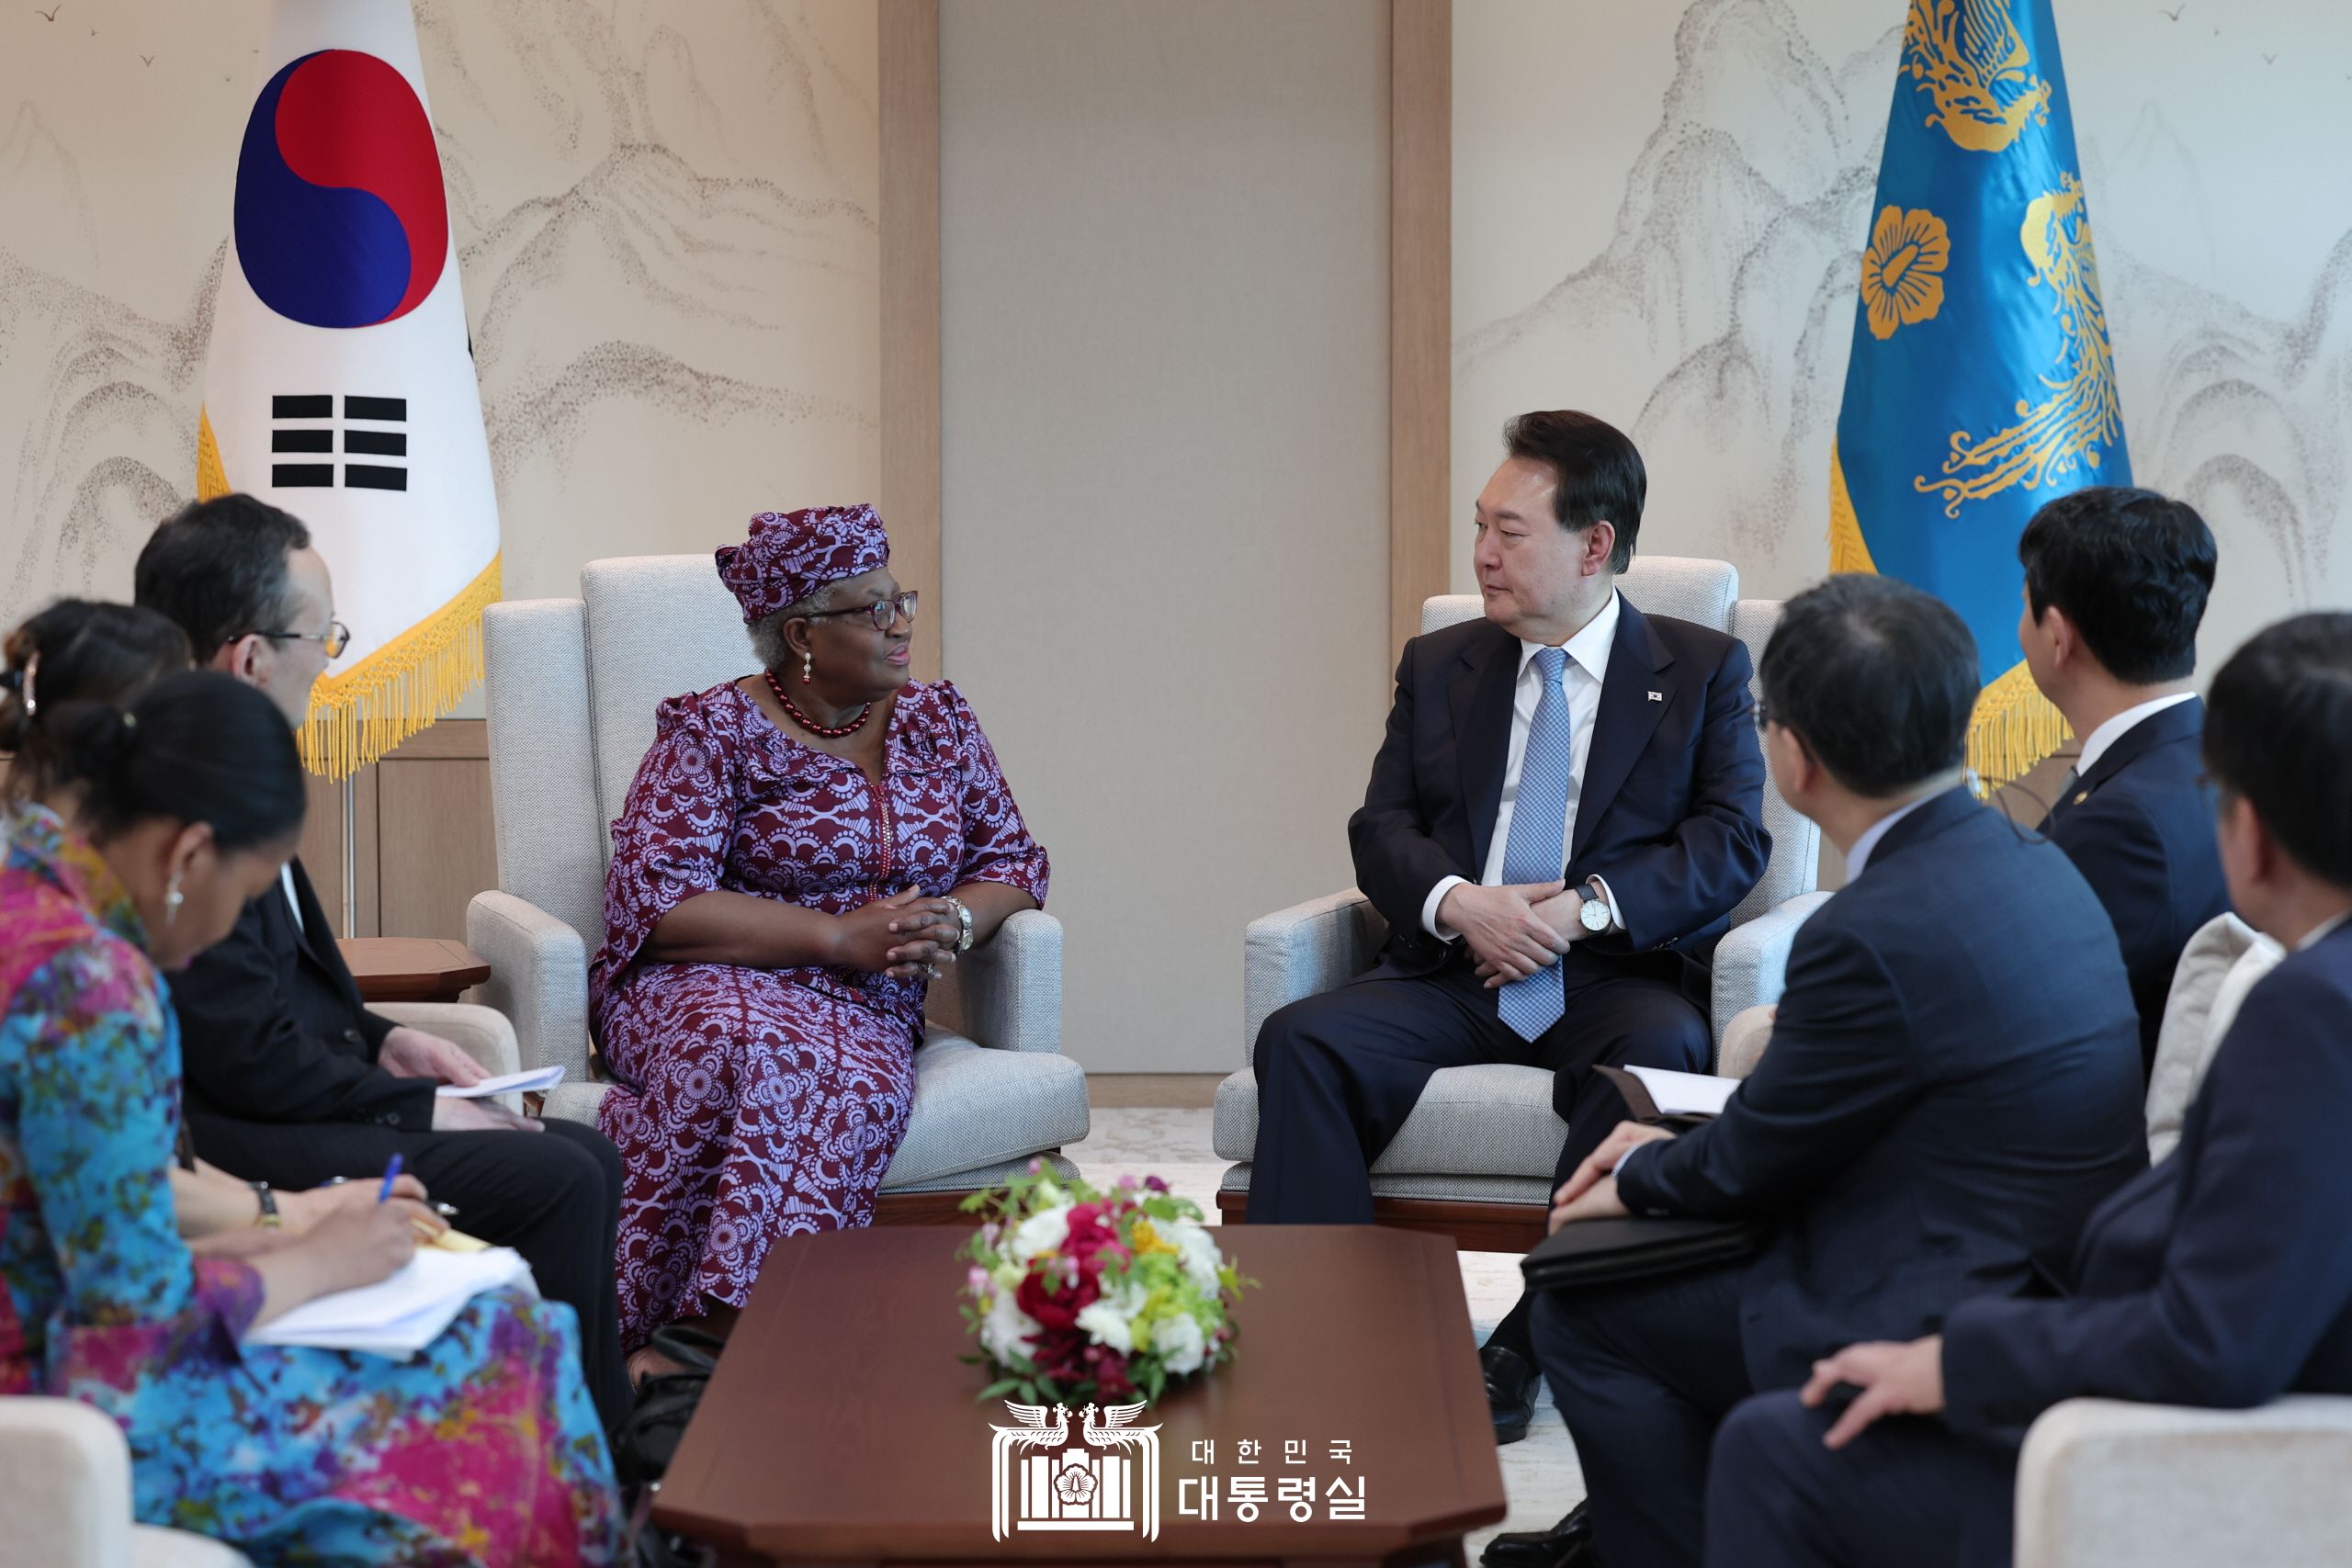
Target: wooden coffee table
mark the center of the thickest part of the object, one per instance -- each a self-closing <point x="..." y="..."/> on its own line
<point x="841" y="1429"/>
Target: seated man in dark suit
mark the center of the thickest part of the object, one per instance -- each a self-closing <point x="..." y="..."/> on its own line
<point x="1565" y="809"/>
<point x="2222" y="1278"/>
<point x="288" y="1080"/>
<point x="2114" y="584"/>
<point x="1953" y="1080"/>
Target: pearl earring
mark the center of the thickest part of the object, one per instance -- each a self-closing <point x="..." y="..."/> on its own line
<point x="173" y="899"/>
<point x="807" y="668"/>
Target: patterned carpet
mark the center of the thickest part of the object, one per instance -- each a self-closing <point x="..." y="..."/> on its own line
<point x="1540" y="1474"/>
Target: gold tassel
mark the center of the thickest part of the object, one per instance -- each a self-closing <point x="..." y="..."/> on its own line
<point x="2014" y="728"/>
<point x="212" y="480"/>
<point x="1847" y="551"/>
<point x="400" y="688"/>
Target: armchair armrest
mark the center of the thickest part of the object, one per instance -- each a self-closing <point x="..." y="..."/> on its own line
<point x="2102" y="1484"/>
<point x="65" y="1486"/>
<point x="1006" y="994"/>
<point x="1752" y="961"/>
<point x="1303" y="951"/>
<point x="538" y="978"/>
<point x="480" y="1032"/>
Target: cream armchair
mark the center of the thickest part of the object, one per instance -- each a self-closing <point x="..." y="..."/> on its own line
<point x="1474" y="1160"/>
<point x="65" y="1495"/>
<point x="2103" y="1483"/>
<point x="573" y="687"/>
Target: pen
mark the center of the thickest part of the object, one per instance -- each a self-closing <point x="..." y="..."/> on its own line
<point x="391" y="1174"/>
<point x="446" y="1211"/>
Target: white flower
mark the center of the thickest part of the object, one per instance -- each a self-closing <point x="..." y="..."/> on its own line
<point x="1179" y="1341"/>
<point x="1111" y="1319"/>
<point x="1038" y="1233"/>
<point x="1006" y="1332"/>
<point x="1199" y="1255"/>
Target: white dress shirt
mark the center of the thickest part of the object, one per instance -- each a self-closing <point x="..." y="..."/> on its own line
<point x="2321" y="932"/>
<point x="286" y="880"/>
<point x="1580" y="683"/>
<point x="2114" y="730"/>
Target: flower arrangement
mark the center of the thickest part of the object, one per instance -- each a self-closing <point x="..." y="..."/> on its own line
<point x="1078" y="1295"/>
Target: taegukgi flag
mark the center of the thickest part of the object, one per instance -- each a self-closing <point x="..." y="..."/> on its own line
<point x="341" y="382"/>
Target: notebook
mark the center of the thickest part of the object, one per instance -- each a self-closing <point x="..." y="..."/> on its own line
<point x="398" y="1315"/>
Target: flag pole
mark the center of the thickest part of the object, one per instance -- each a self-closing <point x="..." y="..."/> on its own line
<point x="351" y="854"/>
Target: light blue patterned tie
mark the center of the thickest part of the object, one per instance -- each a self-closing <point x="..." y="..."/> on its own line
<point x="1534" y="852"/>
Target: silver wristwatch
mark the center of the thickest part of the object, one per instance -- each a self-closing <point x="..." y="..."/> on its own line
<point x="963" y="923"/>
<point x="1593" y="914"/>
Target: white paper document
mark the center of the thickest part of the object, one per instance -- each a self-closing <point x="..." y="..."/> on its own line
<point x="536" y="1081"/>
<point x="400" y="1316"/>
<point x="1685" y="1094"/>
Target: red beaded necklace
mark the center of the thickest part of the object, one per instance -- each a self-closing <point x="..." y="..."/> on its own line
<point x="810" y="724"/>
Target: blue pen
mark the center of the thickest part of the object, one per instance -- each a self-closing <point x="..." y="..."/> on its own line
<point x="391" y="1174"/>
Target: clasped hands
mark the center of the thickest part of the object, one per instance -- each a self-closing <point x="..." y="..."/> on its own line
<point x="901" y="934"/>
<point x="1513" y="930"/>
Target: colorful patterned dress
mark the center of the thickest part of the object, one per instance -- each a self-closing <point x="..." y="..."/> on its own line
<point x="759" y="1104"/>
<point x="483" y="1450"/>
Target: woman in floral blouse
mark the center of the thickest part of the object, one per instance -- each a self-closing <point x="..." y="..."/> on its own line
<point x="801" y="850"/>
<point x="154" y="827"/>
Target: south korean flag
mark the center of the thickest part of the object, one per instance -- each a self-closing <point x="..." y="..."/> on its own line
<point x="341" y="383"/>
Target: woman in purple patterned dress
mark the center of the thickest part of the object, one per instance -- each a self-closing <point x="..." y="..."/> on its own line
<point x="802" y="848"/>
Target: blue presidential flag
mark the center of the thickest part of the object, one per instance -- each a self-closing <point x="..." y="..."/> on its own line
<point x="1980" y="383"/>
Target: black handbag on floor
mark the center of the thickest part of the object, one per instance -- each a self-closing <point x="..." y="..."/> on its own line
<point x="647" y="1440"/>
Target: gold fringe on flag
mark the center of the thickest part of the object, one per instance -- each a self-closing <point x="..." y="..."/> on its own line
<point x="2014" y="726"/>
<point x="400" y="688"/>
<point x="212" y="480"/>
<point x="1848" y="552"/>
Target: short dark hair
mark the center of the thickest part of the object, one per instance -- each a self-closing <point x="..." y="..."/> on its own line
<point x="1599" y="473"/>
<point x="194" y="747"/>
<point x="219" y="569"/>
<point x="1878" y="679"/>
<point x="2132" y="571"/>
<point x="77" y="650"/>
<point x="2278" y="732"/>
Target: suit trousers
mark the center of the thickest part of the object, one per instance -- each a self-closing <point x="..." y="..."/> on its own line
<point x="1338" y="1074"/>
<point x="553" y="1196"/>
<point x="1643" y="1374"/>
<point x="1908" y="1493"/>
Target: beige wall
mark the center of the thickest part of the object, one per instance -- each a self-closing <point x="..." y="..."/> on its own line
<point x="666" y="223"/>
<point x="1164" y="348"/>
<point x="1659" y="208"/>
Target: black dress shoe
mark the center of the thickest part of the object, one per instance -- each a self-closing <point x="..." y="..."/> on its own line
<point x="1567" y="1544"/>
<point x="1511" y="1392"/>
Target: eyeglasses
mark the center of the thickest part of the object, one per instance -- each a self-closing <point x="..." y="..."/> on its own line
<point x="883" y="613"/>
<point x="335" y="639"/>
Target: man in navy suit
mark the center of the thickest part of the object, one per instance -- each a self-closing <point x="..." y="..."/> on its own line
<point x="2222" y="1278"/>
<point x="1565" y="809"/>
<point x="2114" y="584"/>
<point x="1953" y="1080"/>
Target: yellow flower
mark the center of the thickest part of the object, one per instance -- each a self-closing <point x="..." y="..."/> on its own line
<point x="1903" y="268"/>
<point x="1148" y="1240"/>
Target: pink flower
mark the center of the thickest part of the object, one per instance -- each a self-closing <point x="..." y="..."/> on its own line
<point x="976" y="1279"/>
<point x="1155" y="1184"/>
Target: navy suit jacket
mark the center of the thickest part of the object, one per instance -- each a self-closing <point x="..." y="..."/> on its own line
<point x="1671" y="811"/>
<point x="1954" y="1082"/>
<point x="2222" y="1278"/>
<point x="2139" y="827"/>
